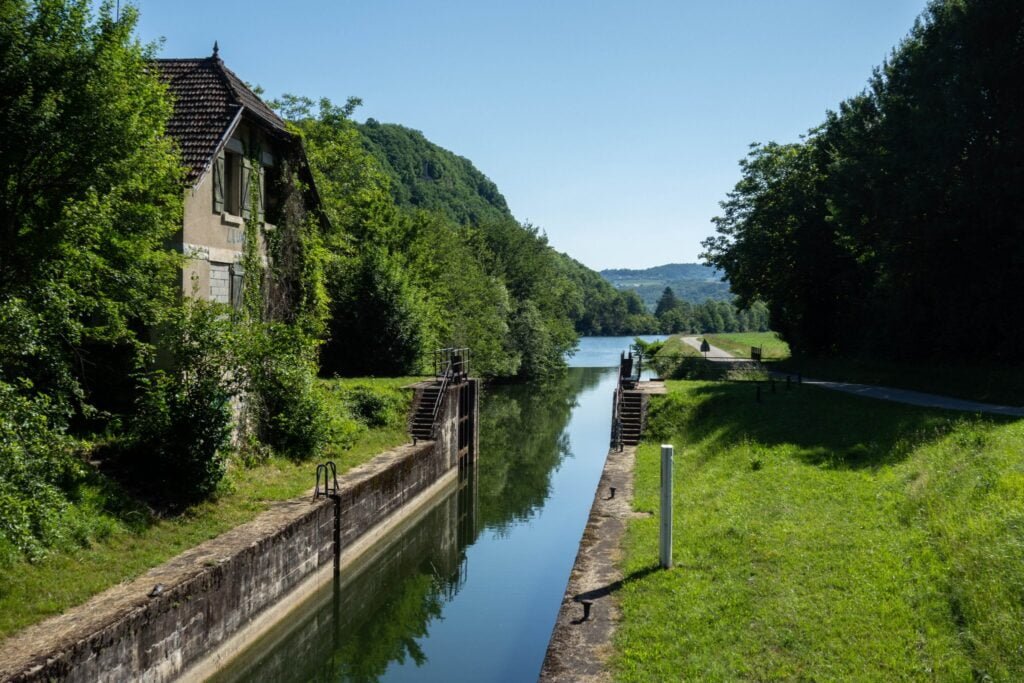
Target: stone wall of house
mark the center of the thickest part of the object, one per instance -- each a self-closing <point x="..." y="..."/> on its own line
<point x="214" y="241"/>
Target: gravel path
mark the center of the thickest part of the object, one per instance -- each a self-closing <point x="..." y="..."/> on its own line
<point x="915" y="398"/>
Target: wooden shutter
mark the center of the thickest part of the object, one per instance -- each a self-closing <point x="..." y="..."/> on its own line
<point x="246" y="192"/>
<point x="237" y="283"/>
<point x="261" y="209"/>
<point x="218" y="183"/>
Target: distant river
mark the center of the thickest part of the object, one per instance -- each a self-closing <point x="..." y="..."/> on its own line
<point x="603" y="352"/>
<point x="471" y="592"/>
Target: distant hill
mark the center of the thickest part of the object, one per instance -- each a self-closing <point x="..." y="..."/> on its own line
<point x="690" y="281"/>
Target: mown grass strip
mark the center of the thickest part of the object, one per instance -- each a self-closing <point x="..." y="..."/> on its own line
<point x="822" y="536"/>
<point x="739" y="343"/>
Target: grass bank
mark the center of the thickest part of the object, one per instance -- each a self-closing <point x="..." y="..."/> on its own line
<point x="675" y="346"/>
<point x="739" y="343"/>
<point x="368" y="416"/>
<point x="820" y="536"/>
<point x="679" y="360"/>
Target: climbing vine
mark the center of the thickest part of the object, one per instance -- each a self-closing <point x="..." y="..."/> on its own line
<point x="252" y="259"/>
<point x="279" y="321"/>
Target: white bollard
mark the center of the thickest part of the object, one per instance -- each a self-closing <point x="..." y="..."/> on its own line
<point x="667" y="454"/>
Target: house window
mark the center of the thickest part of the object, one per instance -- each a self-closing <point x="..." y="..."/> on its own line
<point x="233" y="183"/>
<point x="231" y="192"/>
<point x="220" y="283"/>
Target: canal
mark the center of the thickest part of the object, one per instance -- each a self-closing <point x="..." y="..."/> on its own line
<point x="469" y="591"/>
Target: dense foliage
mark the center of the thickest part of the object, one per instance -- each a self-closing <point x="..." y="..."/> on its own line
<point x="605" y="311"/>
<point x="423" y="253"/>
<point x="90" y="195"/>
<point x="678" y="315"/>
<point x="426" y="177"/>
<point x="96" y="341"/>
<point x="895" y="228"/>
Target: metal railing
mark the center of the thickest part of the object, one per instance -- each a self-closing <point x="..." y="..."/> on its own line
<point x="617" y="418"/>
<point x="328" y="474"/>
<point x="455" y="360"/>
<point x="450" y="365"/>
<point x="446" y="378"/>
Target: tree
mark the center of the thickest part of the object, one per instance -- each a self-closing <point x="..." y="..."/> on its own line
<point x="90" y="193"/>
<point x="666" y="302"/>
<point x="377" y="319"/>
<point x="902" y="210"/>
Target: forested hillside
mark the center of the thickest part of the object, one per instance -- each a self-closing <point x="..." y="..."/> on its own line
<point x="423" y="177"/>
<point x="691" y="282"/>
<point x="896" y="227"/>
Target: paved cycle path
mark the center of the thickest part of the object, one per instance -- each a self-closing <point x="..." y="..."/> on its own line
<point x="915" y="398"/>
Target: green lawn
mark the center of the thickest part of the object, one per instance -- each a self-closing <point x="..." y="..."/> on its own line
<point x="820" y="536"/>
<point x="739" y="343"/>
<point x="139" y="540"/>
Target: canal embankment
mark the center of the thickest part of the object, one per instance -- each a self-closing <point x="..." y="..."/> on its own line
<point x="204" y="605"/>
<point x="473" y="592"/>
<point x="581" y="639"/>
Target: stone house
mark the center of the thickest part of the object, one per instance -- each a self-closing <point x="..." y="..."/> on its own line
<point x="230" y="140"/>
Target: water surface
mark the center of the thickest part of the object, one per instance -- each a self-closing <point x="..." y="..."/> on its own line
<point x="603" y="352"/>
<point x="471" y="591"/>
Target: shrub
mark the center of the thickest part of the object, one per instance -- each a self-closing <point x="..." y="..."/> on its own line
<point x="179" y="435"/>
<point x="666" y="413"/>
<point x="691" y="368"/>
<point x="378" y="319"/>
<point x="36" y="464"/>
<point x="288" y="412"/>
<point x="374" y="407"/>
<point x="182" y="423"/>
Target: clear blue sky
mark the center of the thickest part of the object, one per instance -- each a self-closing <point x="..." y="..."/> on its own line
<point x="614" y="126"/>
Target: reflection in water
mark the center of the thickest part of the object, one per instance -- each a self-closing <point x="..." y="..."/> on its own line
<point x="505" y="539"/>
<point x="375" y="612"/>
<point x="522" y="441"/>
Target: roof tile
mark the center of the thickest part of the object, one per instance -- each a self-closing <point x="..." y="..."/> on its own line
<point x="207" y="97"/>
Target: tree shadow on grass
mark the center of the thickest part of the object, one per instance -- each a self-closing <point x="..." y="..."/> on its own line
<point x="828" y="429"/>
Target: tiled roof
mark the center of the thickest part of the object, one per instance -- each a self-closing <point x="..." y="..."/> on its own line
<point x="207" y="98"/>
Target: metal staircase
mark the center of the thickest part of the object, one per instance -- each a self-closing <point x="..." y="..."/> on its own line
<point x="451" y="366"/>
<point x="426" y="412"/>
<point x="628" y="403"/>
<point x="631" y="415"/>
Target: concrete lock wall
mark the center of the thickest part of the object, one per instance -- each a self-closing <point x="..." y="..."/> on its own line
<point x="192" y="614"/>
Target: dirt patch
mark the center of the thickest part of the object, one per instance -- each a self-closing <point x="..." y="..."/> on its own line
<point x="581" y="645"/>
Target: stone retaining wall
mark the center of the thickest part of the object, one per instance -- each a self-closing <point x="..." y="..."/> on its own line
<point x="157" y="626"/>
